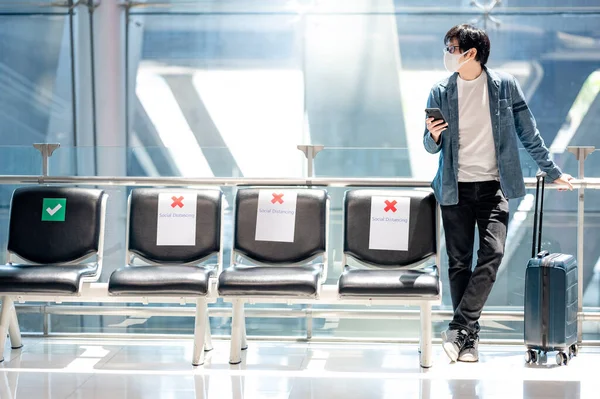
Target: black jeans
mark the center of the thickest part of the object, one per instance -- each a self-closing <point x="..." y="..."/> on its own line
<point x="482" y="204"/>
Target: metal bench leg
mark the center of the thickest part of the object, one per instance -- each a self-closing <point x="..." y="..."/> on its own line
<point x="6" y="316"/>
<point x="200" y="332"/>
<point x="237" y="330"/>
<point x="244" y="340"/>
<point x="14" y="332"/>
<point x="426" y="336"/>
<point x="208" y="346"/>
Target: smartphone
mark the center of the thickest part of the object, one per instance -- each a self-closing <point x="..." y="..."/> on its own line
<point x="435" y="113"/>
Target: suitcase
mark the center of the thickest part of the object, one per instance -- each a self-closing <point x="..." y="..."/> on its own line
<point x="550" y="297"/>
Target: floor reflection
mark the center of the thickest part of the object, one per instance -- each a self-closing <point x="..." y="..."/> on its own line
<point x="113" y="369"/>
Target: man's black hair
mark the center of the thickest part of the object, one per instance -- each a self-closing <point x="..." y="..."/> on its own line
<point x="470" y="37"/>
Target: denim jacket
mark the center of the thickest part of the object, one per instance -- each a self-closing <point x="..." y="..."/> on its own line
<point x="511" y="119"/>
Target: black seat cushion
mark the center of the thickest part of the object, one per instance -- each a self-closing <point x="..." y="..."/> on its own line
<point x="389" y="283"/>
<point x="300" y="281"/>
<point x="47" y="279"/>
<point x="188" y="280"/>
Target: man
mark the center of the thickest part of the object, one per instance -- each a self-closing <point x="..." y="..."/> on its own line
<point x="479" y="170"/>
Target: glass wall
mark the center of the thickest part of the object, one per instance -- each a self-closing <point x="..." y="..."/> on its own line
<point x="229" y="88"/>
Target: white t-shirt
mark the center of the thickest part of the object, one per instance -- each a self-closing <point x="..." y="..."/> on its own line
<point x="476" y="149"/>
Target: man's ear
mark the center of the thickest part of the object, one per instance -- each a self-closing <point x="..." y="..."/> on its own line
<point x="472" y="53"/>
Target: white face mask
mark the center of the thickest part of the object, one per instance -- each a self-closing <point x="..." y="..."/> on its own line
<point x="451" y="61"/>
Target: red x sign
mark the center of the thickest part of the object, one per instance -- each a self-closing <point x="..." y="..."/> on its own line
<point x="391" y="205"/>
<point x="177" y="202"/>
<point x="277" y="198"/>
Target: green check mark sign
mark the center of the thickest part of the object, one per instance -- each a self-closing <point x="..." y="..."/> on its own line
<point x="54" y="209"/>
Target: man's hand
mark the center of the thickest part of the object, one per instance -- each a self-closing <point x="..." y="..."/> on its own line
<point x="564" y="180"/>
<point x="436" y="128"/>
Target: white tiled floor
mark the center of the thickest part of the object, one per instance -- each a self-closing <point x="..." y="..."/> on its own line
<point x="111" y="369"/>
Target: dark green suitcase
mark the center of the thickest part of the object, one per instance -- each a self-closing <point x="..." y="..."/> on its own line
<point x="550" y="298"/>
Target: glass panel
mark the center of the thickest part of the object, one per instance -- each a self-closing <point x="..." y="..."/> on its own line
<point x="198" y="162"/>
<point x="173" y="325"/>
<point x="232" y="161"/>
<point x="35" y="79"/>
<point x="408" y="163"/>
<point x="591" y="330"/>
<point x="225" y="93"/>
<point x="365" y="6"/>
<point x="400" y="329"/>
<point x="591" y="297"/>
<point x="32" y="7"/>
<point x="20" y="160"/>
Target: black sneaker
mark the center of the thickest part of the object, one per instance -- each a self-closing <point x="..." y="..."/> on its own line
<point x="453" y="342"/>
<point x="470" y="351"/>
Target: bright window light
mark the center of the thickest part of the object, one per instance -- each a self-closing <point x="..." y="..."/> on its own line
<point x="142" y="156"/>
<point x="415" y="87"/>
<point x="260" y="115"/>
<point x="588" y="93"/>
<point x="174" y="132"/>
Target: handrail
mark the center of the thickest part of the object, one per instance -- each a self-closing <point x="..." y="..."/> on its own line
<point x="591" y="183"/>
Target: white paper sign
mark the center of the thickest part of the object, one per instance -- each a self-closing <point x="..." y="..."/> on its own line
<point x="390" y="217"/>
<point x="176" y="219"/>
<point x="276" y="216"/>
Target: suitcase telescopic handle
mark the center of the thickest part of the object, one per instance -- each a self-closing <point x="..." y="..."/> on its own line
<point x="537" y="230"/>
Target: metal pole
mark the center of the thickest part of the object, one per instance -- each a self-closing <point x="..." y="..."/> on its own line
<point x="46" y="150"/>
<point x="580" y="252"/>
<point x="321" y="313"/>
<point x="92" y="82"/>
<point x="73" y="73"/>
<point x="237" y="326"/>
<point x="200" y="332"/>
<point x="309" y="322"/>
<point x="14" y="331"/>
<point x="46" y="325"/>
<point x="426" y="336"/>
<point x="592" y="314"/>
<point x="310" y="151"/>
<point x="581" y="154"/>
<point x="110" y="109"/>
<point x="127" y="90"/>
<point x="283" y="338"/>
<point x="6" y="317"/>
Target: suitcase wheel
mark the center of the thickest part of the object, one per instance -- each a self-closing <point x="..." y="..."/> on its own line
<point x="562" y="359"/>
<point x="531" y="356"/>
<point x="573" y="350"/>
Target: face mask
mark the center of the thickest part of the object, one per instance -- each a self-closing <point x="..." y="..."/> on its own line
<point x="451" y="61"/>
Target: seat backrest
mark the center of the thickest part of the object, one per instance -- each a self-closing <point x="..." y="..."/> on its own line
<point x="265" y="235"/>
<point x="55" y="225"/>
<point x="173" y="230"/>
<point x="389" y="228"/>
